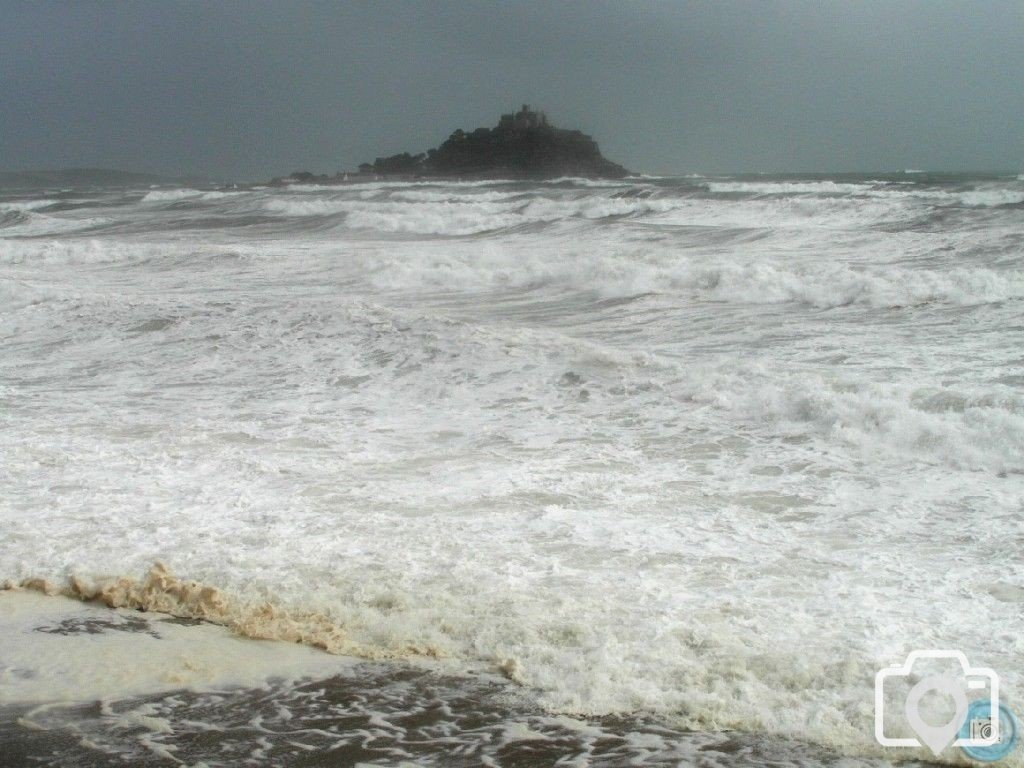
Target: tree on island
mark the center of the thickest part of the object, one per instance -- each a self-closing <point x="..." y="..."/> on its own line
<point x="401" y="163"/>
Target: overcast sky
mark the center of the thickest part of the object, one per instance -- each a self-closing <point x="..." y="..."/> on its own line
<point x="246" y="90"/>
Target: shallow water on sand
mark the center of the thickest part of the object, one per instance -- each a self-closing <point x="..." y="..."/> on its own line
<point x="269" y="703"/>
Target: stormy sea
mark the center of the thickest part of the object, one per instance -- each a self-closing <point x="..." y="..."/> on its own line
<point x="648" y="472"/>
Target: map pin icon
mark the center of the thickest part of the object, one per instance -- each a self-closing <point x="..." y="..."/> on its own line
<point x="936" y="737"/>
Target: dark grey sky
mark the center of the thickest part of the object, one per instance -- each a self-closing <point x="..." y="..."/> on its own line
<point x="248" y="90"/>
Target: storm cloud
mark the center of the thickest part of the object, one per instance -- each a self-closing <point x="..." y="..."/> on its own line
<point x="247" y="90"/>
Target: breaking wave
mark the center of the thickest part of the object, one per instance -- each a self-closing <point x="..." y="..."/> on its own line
<point x="535" y="427"/>
<point x="159" y="590"/>
<point x="174" y="195"/>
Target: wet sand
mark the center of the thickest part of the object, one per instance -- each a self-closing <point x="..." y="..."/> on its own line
<point x="378" y="715"/>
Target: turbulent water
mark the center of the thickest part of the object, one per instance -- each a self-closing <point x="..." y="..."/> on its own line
<point x="705" y="452"/>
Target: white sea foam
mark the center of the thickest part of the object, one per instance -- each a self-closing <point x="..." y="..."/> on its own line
<point x="448" y="196"/>
<point x="16" y="293"/>
<point x="837" y="286"/>
<point x="306" y="207"/>
<point x="433" y="220"/>
<point x="595" y="183"/>
<point x="166" y="195"/>
<point x="430" y="212"/>
<point x="48" y="251"/>
<point x="786" y="187"/>
<point x="981" y="196"/>
<point x="174" y="195"/>
<point x="714" y="457"/>
<point x="23" y="205"/>
<point x="629" y="271"/>
<point x="992" y="197"/>
<point x="38" y="225"/>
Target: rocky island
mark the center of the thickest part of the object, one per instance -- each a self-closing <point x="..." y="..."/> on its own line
<point x="523" y="145"/>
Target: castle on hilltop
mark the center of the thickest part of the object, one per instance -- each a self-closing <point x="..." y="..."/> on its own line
<point x="523" y="145"/>
<point x="523" y="119"/>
